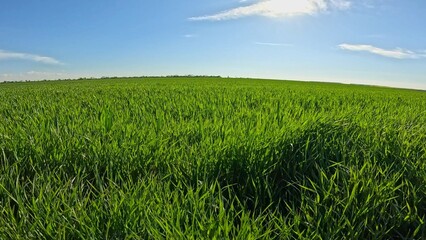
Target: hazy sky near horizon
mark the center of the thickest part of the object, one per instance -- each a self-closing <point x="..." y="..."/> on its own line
<point x="380" y="42"/>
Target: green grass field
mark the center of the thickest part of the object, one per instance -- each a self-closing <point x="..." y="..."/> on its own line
<point x="211" y="158"/>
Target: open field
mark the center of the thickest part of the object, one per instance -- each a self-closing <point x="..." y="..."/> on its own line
<point x="204" y="158"/>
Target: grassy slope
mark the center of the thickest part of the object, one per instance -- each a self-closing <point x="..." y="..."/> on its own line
<point x="204" y="158"/>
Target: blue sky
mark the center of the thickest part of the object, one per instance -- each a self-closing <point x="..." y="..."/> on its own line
<point x="380" y="42"/>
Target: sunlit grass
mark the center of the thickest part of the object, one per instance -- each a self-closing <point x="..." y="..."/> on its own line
<point x="211" y="158"/>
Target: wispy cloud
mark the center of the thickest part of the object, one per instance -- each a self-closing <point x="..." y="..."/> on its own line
<point x="5" y="55"/>
<point x="38" y="73"/>
<point x="274" y="44"/>
<point x="277" y="9"/>
<point x="397" y="53"/>
<point x="190" y="35"/>
<point x="35" y="75"/>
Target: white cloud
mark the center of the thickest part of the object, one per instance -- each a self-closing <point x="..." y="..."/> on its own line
<point x="397" y="53"/>
<point x="277" y="9"/>
<point x="35" y="75"/>
<point x="5" y="55"/>
<point x="190" y="35"/>
<point x="274" y="44"/>
<point x="340" y="4"/>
